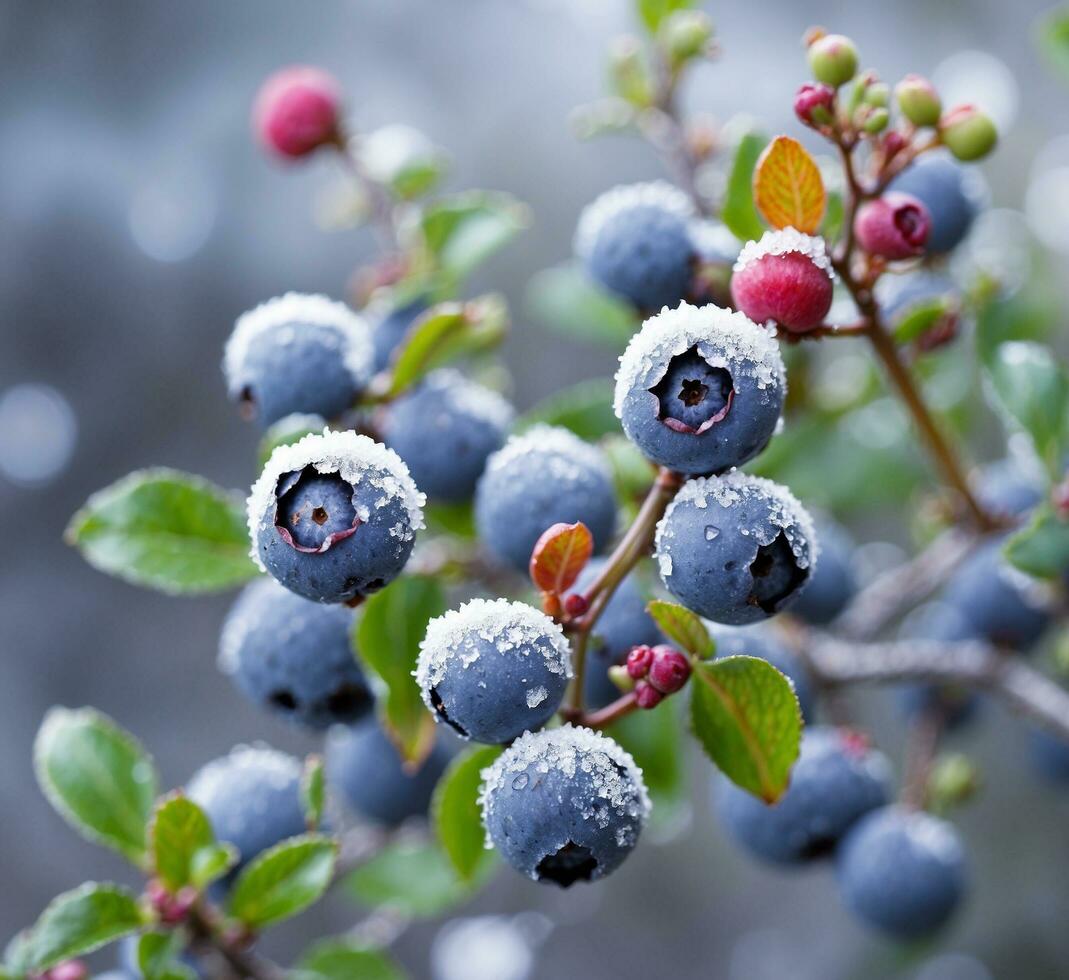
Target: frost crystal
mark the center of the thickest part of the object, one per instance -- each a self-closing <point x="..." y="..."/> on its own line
<point x="783" y="242"/>
<point x="611" y="770"/>
<point x="275" y="769"/>
<point x="510" y="628"/>
<point x="783" y="514"/>
<point x="292" y="311"/>
<point x="356" y="458"/>
<point x="656" y="193"/>
<point x="726" y="339"/>
<point x="561" y="453"/>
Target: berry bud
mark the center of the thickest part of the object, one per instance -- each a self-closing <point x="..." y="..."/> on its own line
<point x="639" y="661"/>
<point x="918" y="100"/>
<point x="877" y="94"/>
<point x="621" y="678"/>
<point x="669" y="670"/>
<point x="893" y="144"/>
<point x="575" y="604"/>
<point x="685" y="34"/>
<point x="894" y="226"/>
<point x="647" y="696"/>
<point x="296" y="111"/>
<point x="968" y="133"/>
<point x="785" y="277"/>
<point x="875" y="121"/>
<point x="628" y="72"/>
<point x="814" y="104"/>
<point x="67" y="970"/>
<point x="833" y="59"/>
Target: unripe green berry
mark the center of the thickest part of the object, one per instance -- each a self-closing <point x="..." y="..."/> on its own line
<point x="878" y="94"/>
<point x="685" y="34"/>
<point x="875" y="121"/>
<point x="968" y="133"/>
<point x="833" y="59"/>
<point x="628" y="73"/>
<point x="918" y="100"/>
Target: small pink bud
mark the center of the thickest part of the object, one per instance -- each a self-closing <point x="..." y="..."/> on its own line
<point x="296" y="111"/>
<point x="638" y="661"/>
<point x="785" y="277"/>
<point x="814" y="104"/>
<point x="575" y="604"/>
<point x="669" y="670"/>
<point x="68" y="970"/>
<point x="647" y="696"/>
<point x="894" y="226"/>
<point x="893" y="144"/>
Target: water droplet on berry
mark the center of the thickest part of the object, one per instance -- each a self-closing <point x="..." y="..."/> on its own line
<point x="711" y="533"/>
<point x="520" y="782"/>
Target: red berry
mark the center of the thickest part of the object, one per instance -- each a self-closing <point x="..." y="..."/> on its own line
<point x="814" y="104"/>
<point x="785" y="277"/>
<point x="575" y="604"/>
<point x="669" y="670"/>
<point x="894" y="226"/>
<point x="296" y="111"/>
<point x="638" y="661"/>
<point x="647" y="696"/>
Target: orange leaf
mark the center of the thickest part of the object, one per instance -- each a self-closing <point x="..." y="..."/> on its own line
<point x="559" y="556"/>
<point x="788" y="189"/>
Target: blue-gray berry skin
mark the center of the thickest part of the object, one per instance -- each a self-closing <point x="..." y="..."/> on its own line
<point x="758" y="641"/>
<point x="293" y="657"/>
<point x="252" y="798"/>
<point x="623" y="623"/>
<point x="389" y="330"/>
<point x="951" y="194"/>
<point x="836" y="781"/>
<point x="833" y="583"/>
<point x="645" y="254"/>
<point x="1007" y="488"/>
<point x="128" y="963"/>
<point x="564" y="805"/>
<point x="544" y="477"/>
<point x="902" y="872"/>
<point x="1049" y="755"/>
<point x="364" y="769"/>
<point x="996" y="600"/>
<point x="735" y="550"/>
<point x="445" y="430"/>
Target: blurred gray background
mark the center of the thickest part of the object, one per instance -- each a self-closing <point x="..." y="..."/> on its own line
<point x="137" y="219"/>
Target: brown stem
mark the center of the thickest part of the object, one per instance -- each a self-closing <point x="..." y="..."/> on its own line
<point x="604" y="717"/>
<point x="244" y="963"/>
<point x="922" y="744"/>
<point x="378" y="198"/>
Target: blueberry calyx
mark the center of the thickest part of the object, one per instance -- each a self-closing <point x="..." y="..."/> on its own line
<point x="775" y="574"/>
<point x="571" y="863"/>
<point x="314" y="510"/>
<point x="692" y="395"/>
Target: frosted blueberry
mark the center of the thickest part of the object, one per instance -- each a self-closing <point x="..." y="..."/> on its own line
<point x="833" y="582"/>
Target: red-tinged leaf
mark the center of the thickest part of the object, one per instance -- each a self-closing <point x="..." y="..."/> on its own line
<point x="559" y="556"/>
<point x="788" y="188"/>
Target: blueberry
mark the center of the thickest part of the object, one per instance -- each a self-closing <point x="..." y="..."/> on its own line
<point x="363" y="767"/>
<point x="700" y="389"/>
<point x="252" y="798"/>
<point x="735" y="549"/>
<point x="543" y="477"/>
<point x="334" y="516"/>
<point x="834" y="582"/>
<point x="902" y="872"/>
<point x="293" y="657"/>
<point x="952" y="194"/>
<point x="564" y="805"/>
<point x="623" y="623"/>
<point x="759" y="641"/>
<point x="1049" y="755"/>
<point x="390" y="327"/>
<point x="836" y="780"/>
<point x="493" y="669"/>
<point x="444" y="431"/>
<point x="297" y="353"/>
<point x="1009" y="487"/>
<point x="999" y="603"/>
<point x="635" y="241"/>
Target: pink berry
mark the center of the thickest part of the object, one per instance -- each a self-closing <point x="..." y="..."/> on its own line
<point x="638" y="661"/>
<point x="785" y="277"/>
<point x="647" y="696"/>
<point x="575" y="604"/>
<point x="68" y="970"/>
<point x="814" y="104"/>
<point x="669" y="670"/>
<point x="296" y="111"/>
<point x="894" y="226"/>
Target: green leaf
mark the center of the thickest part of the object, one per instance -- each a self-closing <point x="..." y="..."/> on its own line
<point x="414" y="879"/>
<point x="1042" y="548"/>
<point x="1052" y="37"/>
<point x="584" y="408"/>
<point x="343" y="959"/>
<point x="284" y="880"/>
<point x="386" y="640"/>
<point x="921" y="317"/>
<point x="738" y="211"/>
<point x="286" y="431"/>
<point x="456" y="814"/>
<point x="832" y="225"/>
<point x="166" y="530"/>
<point x="567" y="301"/>
<point x="745" y="714"/>
<point x="179" y="830"/>
<point x="653" y="738"/>
<point x="652" y="12"/>
<point x="79" y="921"/>
<point x="211" y="863"/>
<point x="682" y="627"/>
<point x="461" y="231"/>
<point x="1033" y="389"/>
<point x="446" y="332"/>
<point x="98" y="777"/>
<point x="455" y="519"/>
<point x="313" y="791"/>
<point x="157" y="956"/>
